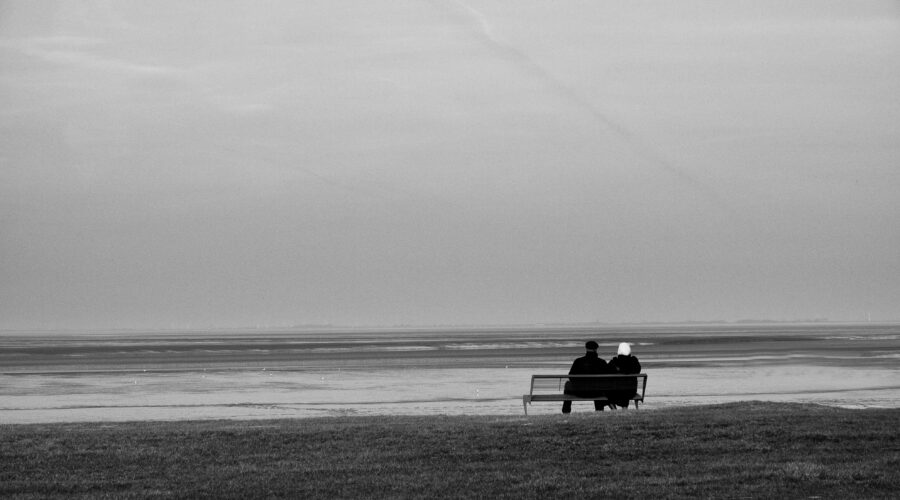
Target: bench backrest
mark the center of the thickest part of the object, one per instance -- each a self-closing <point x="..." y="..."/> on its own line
<point x="554" y="384"/>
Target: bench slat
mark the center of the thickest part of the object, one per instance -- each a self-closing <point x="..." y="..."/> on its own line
<point x="570" y="397"/>
<point x="550" y="387"/>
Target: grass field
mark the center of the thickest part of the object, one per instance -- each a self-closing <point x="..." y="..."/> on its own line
<point x="735" y="450"/>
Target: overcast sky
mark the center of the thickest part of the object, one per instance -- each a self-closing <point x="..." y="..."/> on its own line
<point x="382" y="162"/>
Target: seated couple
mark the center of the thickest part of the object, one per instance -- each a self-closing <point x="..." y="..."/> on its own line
<point x="591" y="364"/>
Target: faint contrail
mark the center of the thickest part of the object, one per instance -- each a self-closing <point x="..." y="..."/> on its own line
<point x="285" y="161"/>
<point x="293" y="165"/>
<point x="483" y="22"/>
<point x="489" y="37"/>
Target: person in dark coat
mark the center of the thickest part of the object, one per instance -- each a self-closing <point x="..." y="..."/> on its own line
<point x="626" y="364"/>
<point x="589" y="364"/>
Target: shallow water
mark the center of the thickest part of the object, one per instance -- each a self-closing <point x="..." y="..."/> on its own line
<point x="114" y="376"/>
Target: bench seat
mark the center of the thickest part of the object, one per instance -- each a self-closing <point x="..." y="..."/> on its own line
<point x="550" y="387"/>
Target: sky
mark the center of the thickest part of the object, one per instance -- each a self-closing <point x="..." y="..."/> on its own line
<point x="199" y="164"/>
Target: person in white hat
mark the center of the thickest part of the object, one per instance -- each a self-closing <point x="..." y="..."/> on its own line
<point x="626" y="364"/>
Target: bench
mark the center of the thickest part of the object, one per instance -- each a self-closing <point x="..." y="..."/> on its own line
<point x="550" y="387"/>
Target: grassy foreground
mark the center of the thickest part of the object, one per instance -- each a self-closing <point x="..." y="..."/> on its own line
<point x="736" y="450"/>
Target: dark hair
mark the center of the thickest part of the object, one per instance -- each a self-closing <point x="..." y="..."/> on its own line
<point x="590" y="345"/>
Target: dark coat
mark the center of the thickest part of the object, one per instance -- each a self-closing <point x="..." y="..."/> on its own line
<point x="589" y="364"/>
<point x="626" y="365"/>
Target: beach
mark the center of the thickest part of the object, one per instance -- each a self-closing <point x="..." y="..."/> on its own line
<point x="312" y="372"/>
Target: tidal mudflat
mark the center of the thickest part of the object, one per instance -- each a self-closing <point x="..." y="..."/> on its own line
<point x="247" y="374"/>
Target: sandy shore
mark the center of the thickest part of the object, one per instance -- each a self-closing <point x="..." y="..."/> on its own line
<point x="116" y="376"/>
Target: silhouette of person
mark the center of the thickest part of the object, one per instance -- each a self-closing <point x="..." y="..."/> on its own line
<point x="589" y="364"/>
<point x="626" y="364"/>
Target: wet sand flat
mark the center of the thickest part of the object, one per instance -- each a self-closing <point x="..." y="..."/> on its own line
<point x="105" y="376"/>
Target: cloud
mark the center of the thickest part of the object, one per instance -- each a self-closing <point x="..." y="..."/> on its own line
<point x="78" y="52"/>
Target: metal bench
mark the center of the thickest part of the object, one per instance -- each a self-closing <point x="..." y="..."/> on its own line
<point x="550" y="387"/>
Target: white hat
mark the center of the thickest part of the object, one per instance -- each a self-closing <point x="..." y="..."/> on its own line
<point x="625" y="349"/>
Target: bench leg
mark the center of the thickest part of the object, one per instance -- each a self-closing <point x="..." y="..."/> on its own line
<point x="525" y="405"/>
